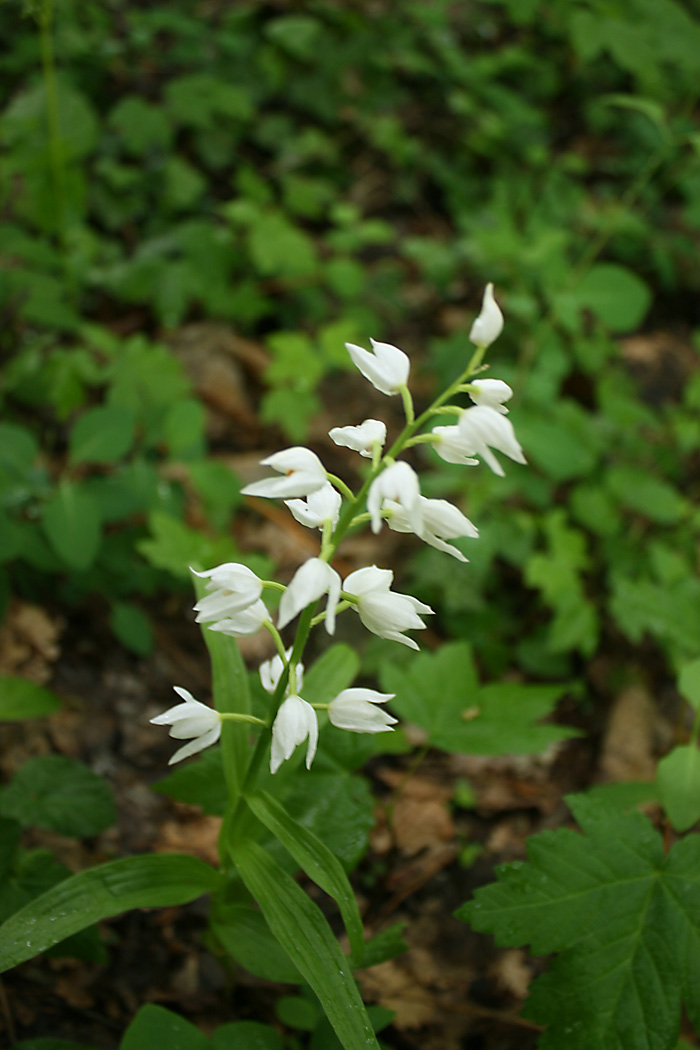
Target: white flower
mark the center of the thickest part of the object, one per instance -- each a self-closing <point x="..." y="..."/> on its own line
<point x="399" y="483"/>
<point x="387" y="368"/>
<point x="271" y="671"/>
<point x="313" y="579"/>
<point x="190" y="719"/>
<point x="489" y="324"/>
<point x="234" y="587"/>
<point x="364" y="439"/>
<point x="321" y="506"/>
<point x="381" y="610"/>
<point x="296" y="720"/>
<point x="353" y="710"/>
<point x="302" y="472"/>
<point x="452" y="446"/>
<point x="441" y="520"/>
<point x="490" y="392"/>
<point x="245" y="622"/>
<point x="482" y="429"/>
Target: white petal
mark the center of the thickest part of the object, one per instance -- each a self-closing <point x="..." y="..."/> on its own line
<point x="489" y="324"/>
<point x="387" y="368"/>
<point x="196" y="745"/>
<point x="491" y="392"/>
<point x="318" y="508"/>
<point x="363" y="438"/>
<point x="309" y="583"/>
<point x="296" y="720"/>
<point x="352" y="710"/>
<point x="246" y="622"/>
<point x="451" y="446"/>
<point x="302" y="472"/>
<point x="398" y="482"/>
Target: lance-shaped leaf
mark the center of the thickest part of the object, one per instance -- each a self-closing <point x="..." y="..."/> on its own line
<point x="625" y="917"/>
<point x="230" y="688"/>
<point x="151" y="881"/>
<point x="314" y="857"/>
<point x="308" y="940"/>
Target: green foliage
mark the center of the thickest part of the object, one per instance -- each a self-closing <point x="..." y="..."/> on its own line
<point x="302" y="931"/>
<point x="440" y="693"/>
<point x="77" y="902"/>
<point x="20" y="698"/>
<point x="61" y="794"/>
<point x="623" y="917"/>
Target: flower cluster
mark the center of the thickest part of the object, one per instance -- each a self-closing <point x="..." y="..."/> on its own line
<point x="233" y="603"/>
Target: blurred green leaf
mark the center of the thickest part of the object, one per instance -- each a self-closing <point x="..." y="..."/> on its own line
<point x="71" y="523"/>
<point x="20" y="698"/>
<point x="102" y="435"/>
<point x="58" y="793"/>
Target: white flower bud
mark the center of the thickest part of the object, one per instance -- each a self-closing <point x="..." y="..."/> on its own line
<point x="363" y="439"/>
<point x="354" y="710"/>
<point x="296" y="720"/>
<point x="489" y="324"/>
<point x="314" y="579"/>
<point x="190" y="719"/>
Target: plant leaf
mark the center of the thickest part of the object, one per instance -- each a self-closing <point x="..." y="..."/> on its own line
<point x="154" y="1026"/>
<point x="624" y="916"/>
<point x="61" y="794"/>
<point x="20" y="698"/>
<point x="152" y="881"/>
<point x="308" y="940"/>
<point x="316" y="860"/>
<point x="678" y="782"/>
<point x="72" y="525"/>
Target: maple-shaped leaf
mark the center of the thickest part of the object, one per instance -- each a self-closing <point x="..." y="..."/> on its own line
<point x="624" y="916"/>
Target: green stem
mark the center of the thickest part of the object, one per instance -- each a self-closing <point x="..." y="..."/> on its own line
<point x="232" y="716"/>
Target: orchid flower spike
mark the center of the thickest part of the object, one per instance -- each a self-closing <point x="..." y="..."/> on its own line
<point x="382" y="611"/>
<point x="190" y="719"/>
<point x="309" y="583"/>
<point x="364" y="438"/>
<point x="387" y="368"/>
<point x="489" y="324"/>
<point x="302" y="470"/>
<point x="234" y="588"/>
<point x="354" y="709"/>
<point x="295" y="722"/>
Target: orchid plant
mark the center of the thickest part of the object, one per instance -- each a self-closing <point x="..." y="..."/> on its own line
<point x="319" y="500"/>
<point x="230" y="605"/>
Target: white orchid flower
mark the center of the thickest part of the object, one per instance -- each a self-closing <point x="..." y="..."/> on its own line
<point x="482" y="429"/>
<point x="399" y="483"/>
<point x="365" y="438"/>
<point x="441" y="521"/>
<point x="245" y="622"/>
<point x="321" y="506"/>
<point x="271" y="671"/>
<point x="314" y="579"/>
<point x="234" y="587"/>
<point x="387" y="368"/>
<point x="302" y="472"/>
<point x="489" y="324"/>
<point x="492" y="393"/>
<point x="296" y="720"/>
<point x="452" y="446"/>
<point x="382" y="611"/>
<point x="190" y="719"/>
<point x="354" y="710"/>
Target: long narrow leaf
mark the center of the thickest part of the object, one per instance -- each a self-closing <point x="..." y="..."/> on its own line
<point x="308" y="940"/>
<point x="230" y="689"/>
<point x="314" y="857"/>
<point x="150" y="881"/>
